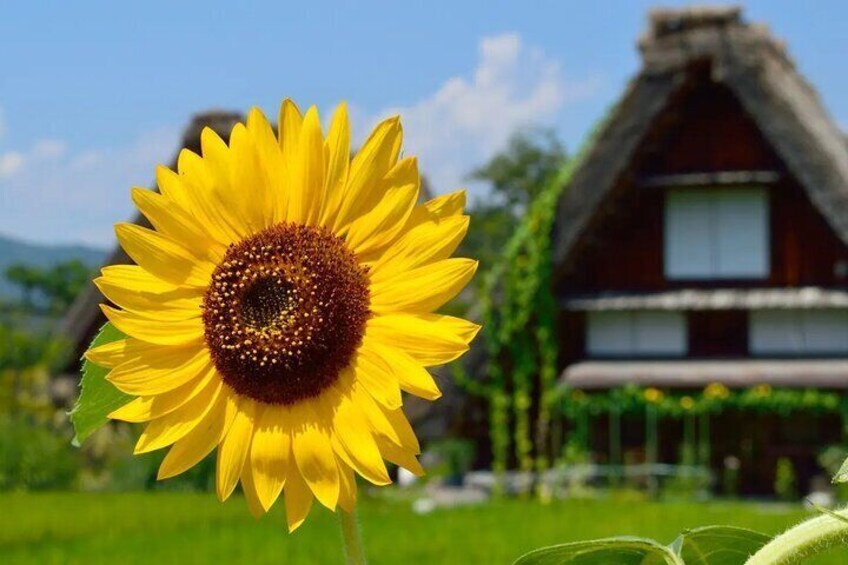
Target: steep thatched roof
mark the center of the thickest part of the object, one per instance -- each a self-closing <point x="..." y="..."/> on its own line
<point x="755" y="67"/>
<point x="84" y="317"/>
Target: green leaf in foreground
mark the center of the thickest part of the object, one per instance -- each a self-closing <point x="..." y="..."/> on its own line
<point x="624" y="550"/>
<point x="98" y="397"/>
<point x="718" y="545"/>
<point x="842" y="474"/>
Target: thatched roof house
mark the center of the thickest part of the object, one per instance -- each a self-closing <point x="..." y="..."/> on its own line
<point x="703" y="241"/>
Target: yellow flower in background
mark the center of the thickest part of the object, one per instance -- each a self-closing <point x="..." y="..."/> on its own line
<point x="716" y="390"/>
<point x="282" y="301"/>
<point x="687" y="403"/>
<point x="762" y="390"/>
<point x="653" y="395"/>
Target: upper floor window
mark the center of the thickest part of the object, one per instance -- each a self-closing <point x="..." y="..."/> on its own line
<point x="716" y="233"/>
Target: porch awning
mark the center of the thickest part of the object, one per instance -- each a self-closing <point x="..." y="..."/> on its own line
<point x="713" y="299"/>
<point x="790" y="373"/>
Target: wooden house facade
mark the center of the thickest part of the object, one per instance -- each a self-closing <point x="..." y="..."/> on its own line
<point x="704" y="239"/>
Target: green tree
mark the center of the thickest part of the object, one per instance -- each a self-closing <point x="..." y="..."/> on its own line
<point x="27" y="278"/>
<point x="53" y="288"/>
<point x="516" y="176"/>
<point x="520" y="172"/>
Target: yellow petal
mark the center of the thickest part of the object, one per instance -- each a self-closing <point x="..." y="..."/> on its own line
<point x="377" y="156"/>
<point x="377" y="378"/>
<point x="175" y="304"/>
<point x="199" y="442"/>
<point x="145" y="408"/>
<point x="162" y="257"/>
<point x="152" y="330"/>
<point x="250" y="194"/>
<point x="313" y="453"/>
<point x="338" y="164"/>
<point x="423" y="289"/>
<point x="289" y="125"/>
<point x="384" y="222"/>
<point x="413" y="378"/>
<point x="271" y="163"/>
<point x="164" y="431"/>
<point x="169" y="219"/>
<point x="134" y="278"/>
<point x="347" y="487"/>
<point x="160" y="369"/>
<point x="193" y="198"/>
<point x="269" y="453"/>
<point x="249" y="488"/>
<point x="352" y="438"/>
<point x="307" y="193"/>
<point x="298" y="500"/>
<point x="390" y="424"/>
<point x="401" y="457"/>
<point x="217" y="172"/>
<point x="431" y="339"/>
<point x="113" y="353"/>
<point x="234" y="448"/>
<point x="198" y="182"/>
<point x="425" y="243"/>
<point x="441" y="207"/>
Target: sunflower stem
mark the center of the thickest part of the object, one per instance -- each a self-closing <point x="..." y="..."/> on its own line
<point x="808" y="538"/>
<point x="352" y="538"/>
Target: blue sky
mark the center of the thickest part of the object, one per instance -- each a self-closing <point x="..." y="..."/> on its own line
<point x="94" y="94"/>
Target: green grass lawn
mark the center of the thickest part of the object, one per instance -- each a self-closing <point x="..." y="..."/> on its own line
<point x="172" y="527"/>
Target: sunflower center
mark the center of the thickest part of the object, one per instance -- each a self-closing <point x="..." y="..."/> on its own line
<point x="269" y="301"/>
<point x="284" y="313"/>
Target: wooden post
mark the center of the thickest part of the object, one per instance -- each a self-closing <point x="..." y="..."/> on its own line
<point x="615" y="443"/>
<point x="651" y="446"/>
<point x="704" y="449"/>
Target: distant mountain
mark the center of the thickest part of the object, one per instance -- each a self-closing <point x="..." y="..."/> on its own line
<point x="16" y="251"/>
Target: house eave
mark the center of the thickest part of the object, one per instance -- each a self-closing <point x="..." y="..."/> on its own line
<point x="742" y="373"/>
<point x="810" y="297"/>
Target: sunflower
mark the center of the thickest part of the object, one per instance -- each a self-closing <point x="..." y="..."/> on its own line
<point x="279" y="306"/>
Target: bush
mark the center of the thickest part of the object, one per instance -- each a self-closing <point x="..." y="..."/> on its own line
<point x="785" y="486"/>
<point x="455" y="458"/>
<point x="35" y="457"/>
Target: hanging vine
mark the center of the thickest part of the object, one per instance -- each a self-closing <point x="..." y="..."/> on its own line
<point x="519" y="316"/>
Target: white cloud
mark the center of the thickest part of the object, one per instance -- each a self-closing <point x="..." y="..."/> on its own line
<point x="49" y="149"/>
<point x="50" y="193"/>
<point x="469" y="118"/>
<point x="10" y="163"/>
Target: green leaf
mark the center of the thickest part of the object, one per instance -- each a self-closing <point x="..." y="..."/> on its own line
<point x="841" y="475"/>
<point x="98" y="397"/>
<point x="718" y="545"/>
<point x="624" y="550"/>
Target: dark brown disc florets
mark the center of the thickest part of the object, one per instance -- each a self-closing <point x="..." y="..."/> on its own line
<point x="284" y="313"/>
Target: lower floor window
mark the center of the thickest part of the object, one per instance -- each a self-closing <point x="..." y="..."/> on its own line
<point x="647" y="333"/>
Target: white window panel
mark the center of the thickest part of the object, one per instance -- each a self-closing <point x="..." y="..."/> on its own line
<point x="609" y="333"/>
<point x="825" y="331"/>
<point x="622" y="334"/>
<point x="660" y="333"/>
<point x="798" y="332"/>
<point x="688" y="234"/>
<point x="717" y="233"/>
<point x="742" y="234"/>
<point x="775" y="332"/>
